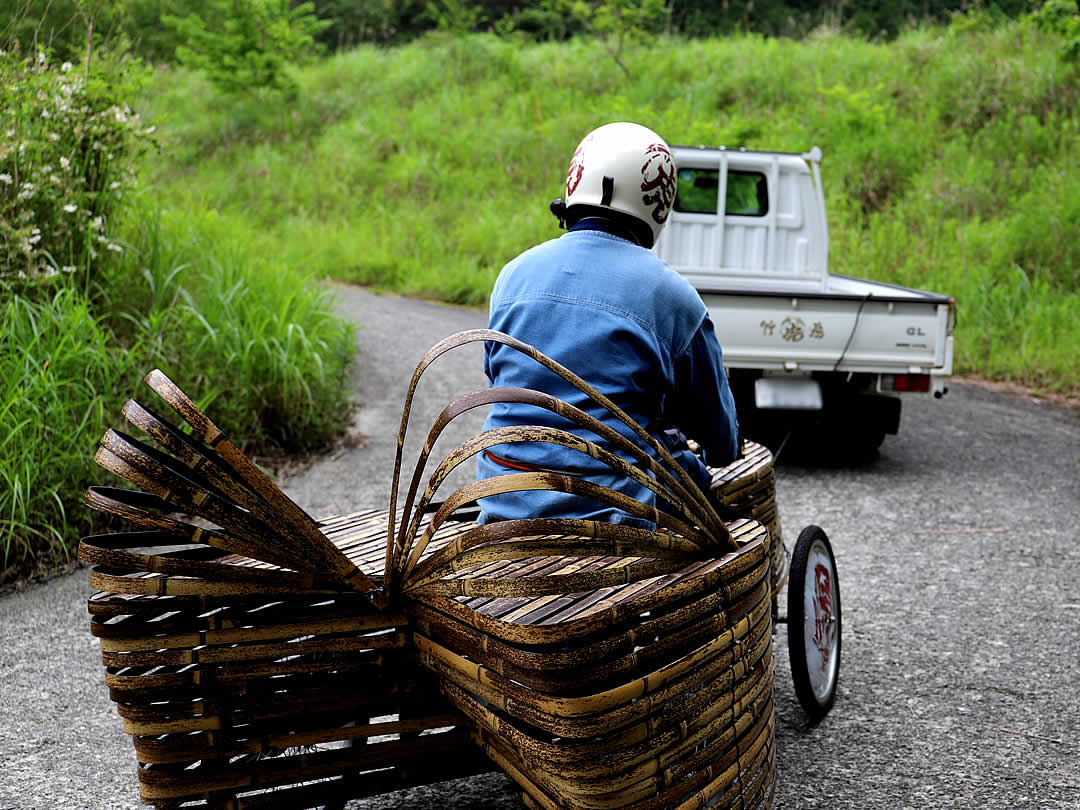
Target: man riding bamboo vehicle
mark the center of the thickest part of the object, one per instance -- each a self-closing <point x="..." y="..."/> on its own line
<point x="598" y="301"/>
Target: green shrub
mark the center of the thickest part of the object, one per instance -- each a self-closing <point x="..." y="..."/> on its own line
<point x="1061" y="17"/>
<point x="246" y="45"/>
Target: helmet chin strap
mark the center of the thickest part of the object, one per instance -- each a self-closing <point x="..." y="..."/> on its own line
<point x="558" y="207"/>
<point x="596" y="218"/>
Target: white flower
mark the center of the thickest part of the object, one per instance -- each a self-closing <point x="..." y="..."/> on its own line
<point x="54" y="138"/>
<point x="45" y="113"/>
<point x="98" y="223"/>
<point x="71" y="208"/>
<point x="49" y="271"/>
<point x="33" y="240"/>
<point x="6" y="179"/>
<point x="116" y="247"/>
<point x="66" y="67"/>
<point x="115" y="184"/>
<point x="68" y="268"/>
<point x="64" y="162"/>
<point x="41" y="57"/>
<point x="150" y="130"/>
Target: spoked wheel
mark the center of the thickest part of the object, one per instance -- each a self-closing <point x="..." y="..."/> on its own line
<point x="814" y="622"/>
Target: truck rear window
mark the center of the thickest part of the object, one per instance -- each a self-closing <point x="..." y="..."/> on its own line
<point x="747" y="193"/>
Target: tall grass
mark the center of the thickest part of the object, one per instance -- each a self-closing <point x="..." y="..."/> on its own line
<point x="60" y="370"/>
<point x="257" y="342"/>
<point x="951" y="160"/>
<point x="257" y="338"/>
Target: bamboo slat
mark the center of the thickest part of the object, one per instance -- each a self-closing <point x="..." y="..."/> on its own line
<point x="260" y="659"/>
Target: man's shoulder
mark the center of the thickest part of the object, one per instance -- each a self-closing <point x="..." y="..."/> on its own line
<point x="543" y="250"/>
<point x="676" y="288"/>
<point x="611" y="268"/>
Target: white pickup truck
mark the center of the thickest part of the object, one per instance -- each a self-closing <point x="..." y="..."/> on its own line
<point x="801" y="345"/>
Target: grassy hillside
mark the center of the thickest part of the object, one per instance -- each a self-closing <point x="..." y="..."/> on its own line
<point x="951" y="162"/>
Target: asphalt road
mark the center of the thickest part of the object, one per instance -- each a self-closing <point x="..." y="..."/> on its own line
<point x="958" y="552"/>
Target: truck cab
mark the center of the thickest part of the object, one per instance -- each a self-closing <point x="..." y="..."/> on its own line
<point x="803" y="346"/>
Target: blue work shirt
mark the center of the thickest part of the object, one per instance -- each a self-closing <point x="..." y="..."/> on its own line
<point x="616" y="315"/>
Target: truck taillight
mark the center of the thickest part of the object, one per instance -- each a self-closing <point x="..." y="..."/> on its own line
<point x="906" y="383"/>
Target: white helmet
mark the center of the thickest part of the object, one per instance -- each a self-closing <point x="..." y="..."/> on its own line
<point x="626" y="168"/>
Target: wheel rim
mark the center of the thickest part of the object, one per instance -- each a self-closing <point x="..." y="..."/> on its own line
<point x="821" y="637"/>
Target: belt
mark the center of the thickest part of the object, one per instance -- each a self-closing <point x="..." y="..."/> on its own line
<point x="525" y="466"/>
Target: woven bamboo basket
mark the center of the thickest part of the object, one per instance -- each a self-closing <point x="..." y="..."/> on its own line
<point x="262" y="659"/>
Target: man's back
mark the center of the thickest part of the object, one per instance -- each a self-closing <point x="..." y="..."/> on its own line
<point x="612" y="313"/>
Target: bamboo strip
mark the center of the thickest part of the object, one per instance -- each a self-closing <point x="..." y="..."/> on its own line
<point x="294" y="517"/>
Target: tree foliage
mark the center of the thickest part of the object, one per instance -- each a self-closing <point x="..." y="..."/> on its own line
<point x="1062" y="17"/>
<point x="617" y="24"/>
<point x="246" y="44"/>
<point x="379" y="21"/>
<point x="58" y="25"/>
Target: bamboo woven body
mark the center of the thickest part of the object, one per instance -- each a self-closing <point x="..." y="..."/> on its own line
<point x="259" y="659"/>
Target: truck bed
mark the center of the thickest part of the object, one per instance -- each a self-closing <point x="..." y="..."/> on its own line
<point x="848" y="325"/>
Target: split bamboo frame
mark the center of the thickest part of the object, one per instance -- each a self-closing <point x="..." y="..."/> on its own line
<point x="261" y="659"/>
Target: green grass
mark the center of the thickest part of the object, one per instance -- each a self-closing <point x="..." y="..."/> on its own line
<point x="59" y="371"/>
<point x="258" y="340"/>
<point x="951" y="161"/>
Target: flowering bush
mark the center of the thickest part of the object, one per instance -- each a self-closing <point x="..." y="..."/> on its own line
<point x="65" y="141"/>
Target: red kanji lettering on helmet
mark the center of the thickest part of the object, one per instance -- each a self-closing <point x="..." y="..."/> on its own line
<point x="658" y="181"/>
<point x="577" y="168"/>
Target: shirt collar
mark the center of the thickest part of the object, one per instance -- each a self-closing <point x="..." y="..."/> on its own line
<point x="604" y="225"/>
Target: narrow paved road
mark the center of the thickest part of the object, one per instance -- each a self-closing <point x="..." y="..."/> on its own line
<point x="959" y="559"/>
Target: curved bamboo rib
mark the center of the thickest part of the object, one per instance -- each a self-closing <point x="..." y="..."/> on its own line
<point x="115" y="551"/>
<point x="589" y="539"/>
<point x="541" y="481"/>
<point x="510" y="435"/>
<point x="194" y="456"/>
<point x="665" y="484"/>
<point x="188" y="497"/>
<point x="151" y="512"/>
<point x="709" y="518"/>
